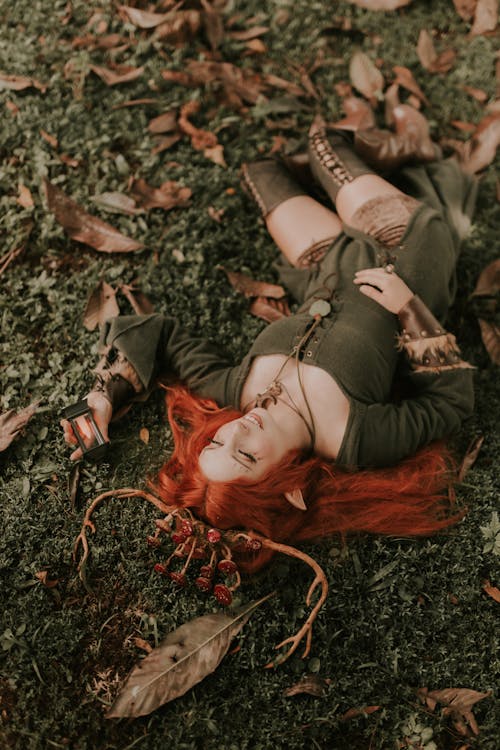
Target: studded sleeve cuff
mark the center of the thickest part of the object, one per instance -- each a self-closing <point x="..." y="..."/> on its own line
<point x="428" y="346"/>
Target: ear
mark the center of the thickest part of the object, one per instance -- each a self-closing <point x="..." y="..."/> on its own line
<point x="296" y="499"/>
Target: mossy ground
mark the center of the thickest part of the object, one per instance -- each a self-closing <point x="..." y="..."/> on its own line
<point x="427" y="623"/>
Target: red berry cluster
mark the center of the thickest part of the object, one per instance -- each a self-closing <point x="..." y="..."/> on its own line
<point x="193" y="540"/>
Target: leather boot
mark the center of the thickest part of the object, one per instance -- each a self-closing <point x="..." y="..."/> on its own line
<point x="269" y="183"/>
<point x="332" y="158"/>
<point x="387" y="151"/>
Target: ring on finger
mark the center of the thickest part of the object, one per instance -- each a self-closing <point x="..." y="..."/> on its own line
<point x="389" y="268"/>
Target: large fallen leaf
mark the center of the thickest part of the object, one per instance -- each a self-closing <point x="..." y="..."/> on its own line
<point x="18" y="83"/>
<point x="481" y="149"/>
<point x="143" y="19"/>
<point x="200" y="139"/>
<point x="404" y="78"/>
<point x="239" y="84"/>
<point x="269" y="309"/>
<point x="492" y="591"/>
<point x="169" y="195"/>
<point x="83" y="227"/>
<point x="458" y="704"/>
<point x="213" y="25"/>
<point x="428" y="56"/>
<point x="353" y="713"/>
<point x="485" y="17"/>
<point x="117" y="74"/>
<point x="183" y="659"/>
<point x="359" y="115"/>
<point x="366" y="77"/>
<point x="465" y="8"/>
<point x="101" y="305"/>
<point x="11" y="423"/>
<point x="381" y="4"/>
<point x="251" y="287"/>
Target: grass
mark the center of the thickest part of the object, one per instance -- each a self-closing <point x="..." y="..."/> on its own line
<point x="426" y="623"/>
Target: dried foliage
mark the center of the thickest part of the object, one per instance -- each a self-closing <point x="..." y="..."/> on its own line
<point x="484" y="300"/>
<point x="458" y="704"/>
<point x="381" y="4"/>
<point x="101" y="306"/>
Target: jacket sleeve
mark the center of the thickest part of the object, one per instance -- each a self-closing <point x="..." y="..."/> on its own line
<point x="154" y="344"/>
<point x="390" y="432"/>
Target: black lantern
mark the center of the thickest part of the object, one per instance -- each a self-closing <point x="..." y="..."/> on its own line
<point x="88" y="434"/>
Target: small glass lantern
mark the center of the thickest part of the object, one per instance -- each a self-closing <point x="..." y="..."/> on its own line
<point x="88" y="434"/>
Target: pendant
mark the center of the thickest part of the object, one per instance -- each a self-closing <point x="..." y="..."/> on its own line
<point x="320" y="307"/>
<point x="271" y="393"/>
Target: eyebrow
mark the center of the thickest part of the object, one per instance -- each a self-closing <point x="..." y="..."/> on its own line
<point x="238" y="460"/>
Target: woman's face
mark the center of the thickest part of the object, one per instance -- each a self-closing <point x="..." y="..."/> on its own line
<point x="245" y="448"/>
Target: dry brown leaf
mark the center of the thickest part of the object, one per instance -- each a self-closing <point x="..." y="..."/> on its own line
<point x="24" y="199"/>
<point x="239" y="84"/>
<point x="200" y="139"/>
<point x="11" y="423"/>
<point x="380" y="4"/>
<point x="181" y="27"/>
<point x="490" y="334"/>
<point x="12" y="107"/>
<point x="117" y="203"/>
<point x="216" y="154"/>
<point x="352" y="713"/>
<point x="165" y="123"/>
<point x="477" y="94"/>
<point x="251" y="287"/>
<point x="169" y="195"/>
<point x="101" y="305"/>
<point x="217" y="214"/>
<point x="485" y="303"/>
<point x="142" y="644"/>
<point x="269" y="309"/>
<point x="470" y="457"/>
<point x="213" y="25"/>
<point x="485" y="17"/>
<point x="404" y="77"/>
<point x="135" y="103"/>
<point x="142" y="18"/>
<point x="481" y="149"/>
<point x="139" y="302"/>
<point x="428" y="56"/>
<point x="18" y="83"/>
<point x="247" y="34"/>
<point x="458" y="704"/>
<point x="465" y="127"/>
<point x="281" y="83"/>
<point x="83" y="227"/>
<point x="311" y="684"/>
<point x="255" y="47"/>
<point x="465" y="8"/>
<point x="366" y="77"/>
<point x="144" y="435"/>
<point x="165" y="143"/>
<point x="117" y="73"/>
<point x="492" y="591"/>
<point x="43" y="577"/>
<point x="50" y="139"/>
<point x="391" y="97"/>
<point x="360" y="115"/>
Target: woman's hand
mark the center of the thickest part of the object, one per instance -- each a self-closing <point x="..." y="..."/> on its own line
<point x="101" y="411"/>
<point x="385" y="287"/>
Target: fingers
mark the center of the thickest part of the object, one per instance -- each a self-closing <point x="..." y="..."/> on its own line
<point x="69" y="435"/>
<point x="376" y="276"/>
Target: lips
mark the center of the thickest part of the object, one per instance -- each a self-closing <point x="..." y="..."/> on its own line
<point x="255" y="418"/>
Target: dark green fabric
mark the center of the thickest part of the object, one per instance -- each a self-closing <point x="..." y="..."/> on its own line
<point x="356" y="342"/>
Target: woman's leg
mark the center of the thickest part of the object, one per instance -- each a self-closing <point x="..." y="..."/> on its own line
<point x="301" y="227"/>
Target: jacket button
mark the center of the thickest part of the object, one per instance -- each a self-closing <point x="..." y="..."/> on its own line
<point x="309" y="353"/>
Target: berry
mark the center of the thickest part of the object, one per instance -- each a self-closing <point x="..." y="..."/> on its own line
<point x="187" y="527"/>
<point x="223" y="595"/>
<point x="204" y="584"/>
<point x="228" y="567"/>
<point x="153" y="541"/>
<point x="214" y="536"/>
<point x="179" y="579"/>
<point x="253" y="545"/>
<point x="159" y="568"/>
<point x="206" y="571"/>
<point x="178" y="537"/>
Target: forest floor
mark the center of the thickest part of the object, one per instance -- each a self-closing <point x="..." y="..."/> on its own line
<point x="402" y="614"/>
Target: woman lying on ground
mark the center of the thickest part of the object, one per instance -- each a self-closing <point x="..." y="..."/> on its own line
<point x="329" y="423"/>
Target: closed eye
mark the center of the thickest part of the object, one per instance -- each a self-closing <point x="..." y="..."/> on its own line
<point x="215" y="442"/>
<point x="249" y="456"/>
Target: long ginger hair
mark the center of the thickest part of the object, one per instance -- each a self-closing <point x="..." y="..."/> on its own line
<point x="407" y="499"/>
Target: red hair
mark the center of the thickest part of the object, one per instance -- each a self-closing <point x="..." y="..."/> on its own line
<point x="407" y="499"/>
